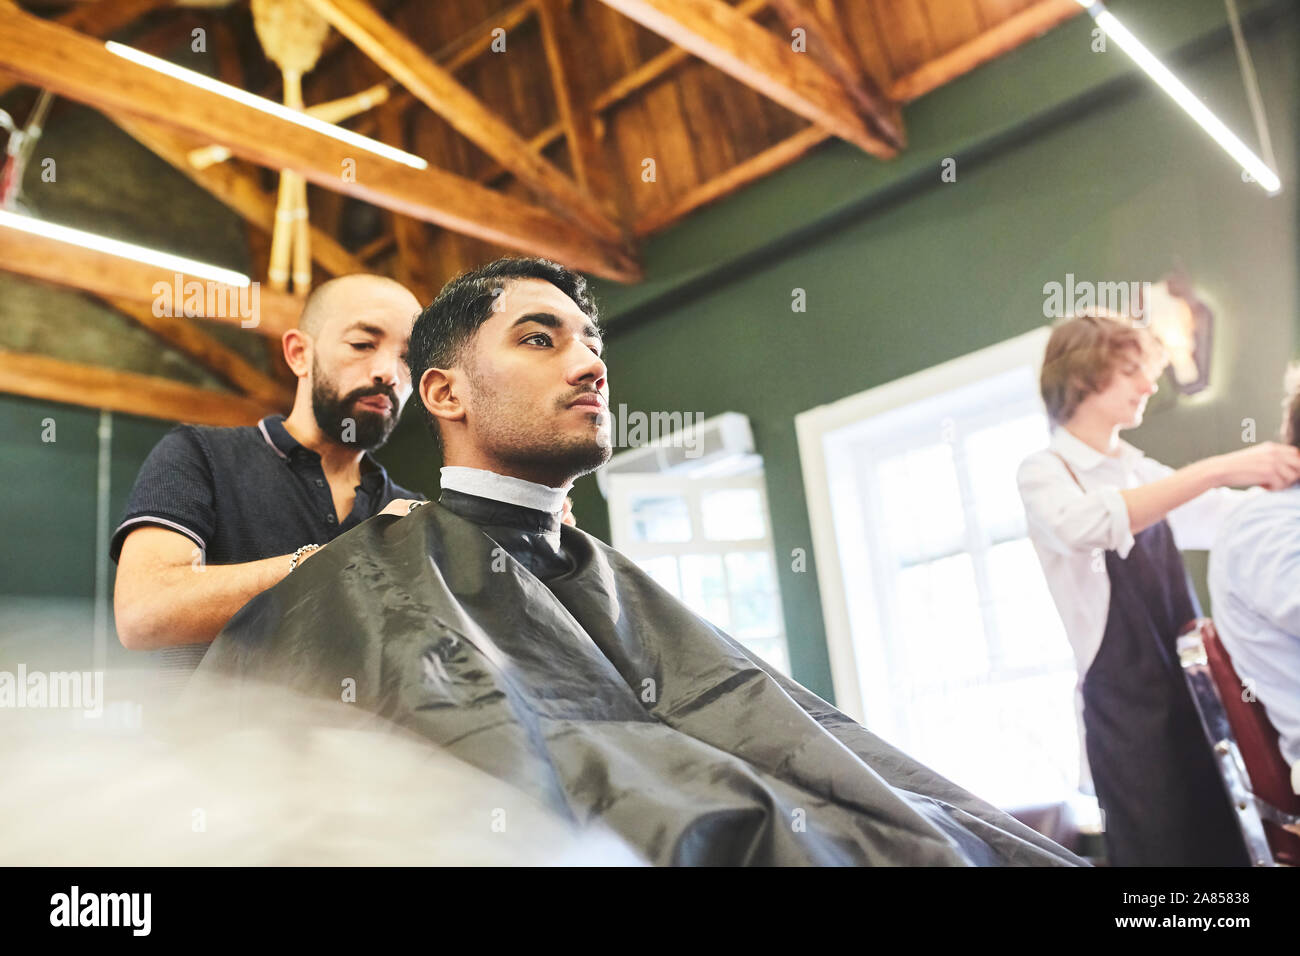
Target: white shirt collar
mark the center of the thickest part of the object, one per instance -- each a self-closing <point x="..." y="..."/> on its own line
<point x="515" y="491"/>
<point x="1083" y="456"/>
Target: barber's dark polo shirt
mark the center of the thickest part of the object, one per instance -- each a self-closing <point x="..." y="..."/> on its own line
<point x="243" y="494"/>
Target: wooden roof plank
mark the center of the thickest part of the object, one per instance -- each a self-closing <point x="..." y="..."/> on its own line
<point x="733" y="43"/>
<point x="1006" y="36"/>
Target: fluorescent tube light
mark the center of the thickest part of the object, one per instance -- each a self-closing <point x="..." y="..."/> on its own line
<point x="127" y="250"/>
<point x="1184" y="97"/>
<point x="266" y="106"/>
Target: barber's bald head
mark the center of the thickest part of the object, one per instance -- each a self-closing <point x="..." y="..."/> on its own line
<point x="349" y="351"/>
<point x="338" y="297"/>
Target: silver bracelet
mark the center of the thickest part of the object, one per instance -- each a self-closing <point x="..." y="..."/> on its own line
<point x="297" y="555"/>
<point x="413" y="505"/>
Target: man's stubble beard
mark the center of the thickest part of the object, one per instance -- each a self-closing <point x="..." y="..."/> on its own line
<point x="370" y="429"/>
<point x="507" y="429"/>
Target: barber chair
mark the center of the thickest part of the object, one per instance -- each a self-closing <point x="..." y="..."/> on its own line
<point x="1245" y="746"/>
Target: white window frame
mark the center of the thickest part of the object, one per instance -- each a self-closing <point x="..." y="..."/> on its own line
<point x="623" y="487"/>
<point x="859" y="673"/>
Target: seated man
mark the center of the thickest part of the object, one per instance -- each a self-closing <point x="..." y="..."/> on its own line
<point x="1254" y="582"/>
<point x="542" y="656"/>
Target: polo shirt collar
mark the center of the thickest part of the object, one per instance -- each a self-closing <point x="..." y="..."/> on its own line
<point x="1084" y="457"/>
<point x="286" y="446"/>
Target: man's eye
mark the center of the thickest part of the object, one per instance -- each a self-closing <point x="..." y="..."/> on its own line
<point x="539" y="335"/>
<point x="361" y="346"/>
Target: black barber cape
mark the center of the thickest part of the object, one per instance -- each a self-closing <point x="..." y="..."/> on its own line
<point x="540" y="655"/>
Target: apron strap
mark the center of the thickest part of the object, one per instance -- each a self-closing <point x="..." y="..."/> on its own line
<point x="1071" y="471"/>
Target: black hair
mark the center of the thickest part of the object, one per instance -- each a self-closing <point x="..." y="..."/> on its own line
<point x="446" y="328"/>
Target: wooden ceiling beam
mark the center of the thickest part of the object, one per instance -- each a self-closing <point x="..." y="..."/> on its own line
<point x="738" y="46"/>
<point x="78" y="67"/>
<point x="115" y="277"/>
<point x="465" y="49"/>
<point x="561" y="41"/>
<point x="414" y="255"/>
<point x="238" y="189"/>
<point x="439" y="90"/>
<point x="73" y="383"/>
<point x="828" y="44"/>
<point x="182" y="334"/>
<point x="100" y="19"/>
<point x="645" y="74"/>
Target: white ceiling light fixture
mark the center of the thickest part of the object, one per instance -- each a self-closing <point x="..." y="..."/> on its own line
<point x="1143" y="57"/>
<point x="126" y="250"/>
<point x="266" y="106"/>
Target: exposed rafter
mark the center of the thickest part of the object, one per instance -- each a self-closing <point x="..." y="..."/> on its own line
<point x="48" y="55"/>
<point x="100" y="19"/>
<point x="414" y="259"/>
<point x="54" y="380"/>
<point x="465" y="49"/>
<point x="738" y="46"/>
<point x="441" y="92"/>
<point x="114" y="277"/>
<point x="184" y="335"/>
<point x="237" y="189"/>
<point x="826" y="42"/>
<point x="562" y="43"/>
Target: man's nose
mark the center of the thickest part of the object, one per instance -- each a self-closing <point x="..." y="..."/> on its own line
<point x="387" y="369"/>
<point x="589" y="367"/>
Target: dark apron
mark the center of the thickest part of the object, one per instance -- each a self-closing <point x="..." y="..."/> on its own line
<point x="1163" y="799"/>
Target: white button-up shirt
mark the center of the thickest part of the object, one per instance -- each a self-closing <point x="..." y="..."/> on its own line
<point x="1255" y="584"/>
<point x="1071" y="528"/>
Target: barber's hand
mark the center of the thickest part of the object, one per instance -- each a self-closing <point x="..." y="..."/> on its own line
<point x="399" y="506"/>
<point x="568" y="513"/>
<point x="1272" y="465"/>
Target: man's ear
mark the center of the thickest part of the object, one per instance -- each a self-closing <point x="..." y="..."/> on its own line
<point x="440" y="392"/>
<point x="297" y="347"/>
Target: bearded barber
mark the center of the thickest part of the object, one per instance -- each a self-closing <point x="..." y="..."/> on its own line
<point x="218" y="515"/>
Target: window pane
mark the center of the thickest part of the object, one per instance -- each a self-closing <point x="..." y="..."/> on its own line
<point x="772" y="652"/>
<point x="657" y="518"/>
<point x="993" y="455"/>
<point x="664" y="570"/>
<point x="921" y="503"/>
<point x="1014" y="743"/>
<point x="704" y="589"/>
<point x="938" y="621"/>
<point x="1030" y="633"/>
<point x="753" y="595"/>
<point x="733" y="514"/>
